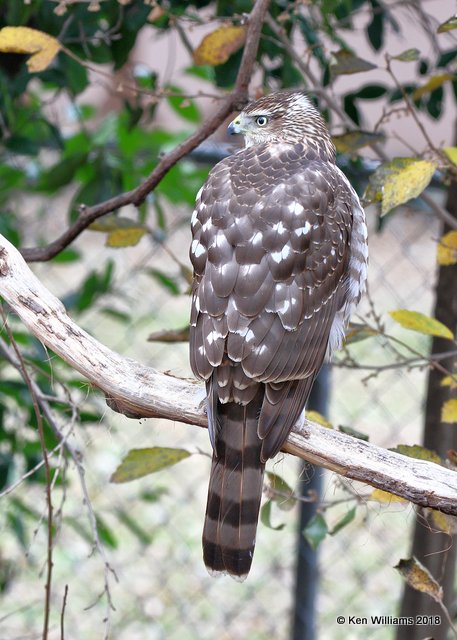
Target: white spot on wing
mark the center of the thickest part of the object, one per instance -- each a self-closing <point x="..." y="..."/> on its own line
<point x="260" y="350"/>
<point x="207" y="224"/>
<point x="249" y="335"/>
<point x="279" y="227"/>
<point x="197" y="248"/>
<point x="295" y="208"/>
<point x="213" y="336"/>
<point x="256" y="238"/>
<point x="303" y="231"/>
<point x="284" y="308"/>
<point x="278" y="256"/>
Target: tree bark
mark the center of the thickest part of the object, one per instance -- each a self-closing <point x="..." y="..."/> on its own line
<point x="139" y="391"/>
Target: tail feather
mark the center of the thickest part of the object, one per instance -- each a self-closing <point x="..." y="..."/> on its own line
<point x="235" y="490"/>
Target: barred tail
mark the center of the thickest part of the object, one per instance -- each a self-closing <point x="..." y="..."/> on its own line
<point x="235" y="491"/>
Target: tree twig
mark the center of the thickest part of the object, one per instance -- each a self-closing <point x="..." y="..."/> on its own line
<point x="333" y="105"/>
<point x="139" y="391"/>
<point x="49" y="563"/>
<point x="12" y="358"/>
<point x="62" y="614"/>
<point x="235" y="100"/>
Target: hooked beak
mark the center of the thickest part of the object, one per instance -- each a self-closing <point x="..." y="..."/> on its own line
<point x="234" y="127"/>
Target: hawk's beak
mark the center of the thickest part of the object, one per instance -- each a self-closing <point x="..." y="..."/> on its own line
<point x="234" y="127"/>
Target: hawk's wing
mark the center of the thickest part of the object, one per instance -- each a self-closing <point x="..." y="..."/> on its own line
<point x="270" y="252"/>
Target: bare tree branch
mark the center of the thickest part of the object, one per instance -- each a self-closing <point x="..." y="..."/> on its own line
<point x="136" y="390"/>
<point x="334" y="106"/>
<point x="234" y="100"/>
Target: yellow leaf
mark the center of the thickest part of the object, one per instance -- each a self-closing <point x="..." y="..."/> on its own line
<point x="43" y="47"/>
<point x="433" y="83"/>
<point x="315" y="416"/>
<point x="449" y="381"/>
<point x="121" y="232"/>
<point x="397" y="181"/>
<point x="217" y="47"/>
<point x="418" y="452"/>
<point x="416" y="321"/>
<point x="451" y="153"/>
<point x="443" y="521"/>
<point x="449" y="411"/>
<point x="449" y="25"/>
<point x="446" y="253"/>
<point x="385" y="497"/>
<point x="419" y="578"/>
<point x="127" y="237"/>
<point x="407" y="183"/>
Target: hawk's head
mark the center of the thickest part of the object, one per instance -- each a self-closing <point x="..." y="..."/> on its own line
<point x="284" y="116"/>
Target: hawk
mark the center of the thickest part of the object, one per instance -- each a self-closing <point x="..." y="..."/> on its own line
<point x="279" y="253"/>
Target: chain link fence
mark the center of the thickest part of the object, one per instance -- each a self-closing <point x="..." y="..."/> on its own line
<point x="162" y="590"/>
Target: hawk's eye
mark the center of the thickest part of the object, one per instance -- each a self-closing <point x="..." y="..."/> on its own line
<point x="261" y="121"/>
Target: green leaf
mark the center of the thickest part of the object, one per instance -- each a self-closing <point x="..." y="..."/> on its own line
<point x="397" y="181"/>
<point x="75" y="74"/>
<point x="22" y="145"/>
<point x="80" y="529"/>
<point x="94" y="286"/>
<point x="285" y="497"/>
<point x="315" y="531"/>
<point x="345" y="520"/>
<point x="416" y="321"/>
<point x="354" y="140"/>
<point x="359" y="332"/>
<point x="106" y="534"/>
<point x="168" y="283"/>
<point x="141" y="462"/>
<point x="184" y="107"/>
<point x="143" y="536"/>
<point x="16" y="525"/>
<point x="375" y="29"/>
<point x="61" y="174"/>
<point x="344" y="62"/>
<point x="418" y="452"/>
<point x="410" y="55"/>
<point x="350" y="431"/>
<point x="265" y="517"/>
<point x="449" y="25"/>
<point x="67" y="255"/>
<point x="419" y="578"/>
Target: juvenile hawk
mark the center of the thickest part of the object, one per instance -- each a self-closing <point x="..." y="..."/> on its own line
<point x="280" y="258"/>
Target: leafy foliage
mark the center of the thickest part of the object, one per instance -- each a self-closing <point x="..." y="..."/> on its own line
<point x="51" y="52"/>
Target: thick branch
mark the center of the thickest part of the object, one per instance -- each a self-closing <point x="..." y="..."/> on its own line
<point x="136" y="390"/>
<point x="235" y="100"/>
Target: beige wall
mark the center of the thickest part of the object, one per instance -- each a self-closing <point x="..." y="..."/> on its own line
<point x="168" y="57"/>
